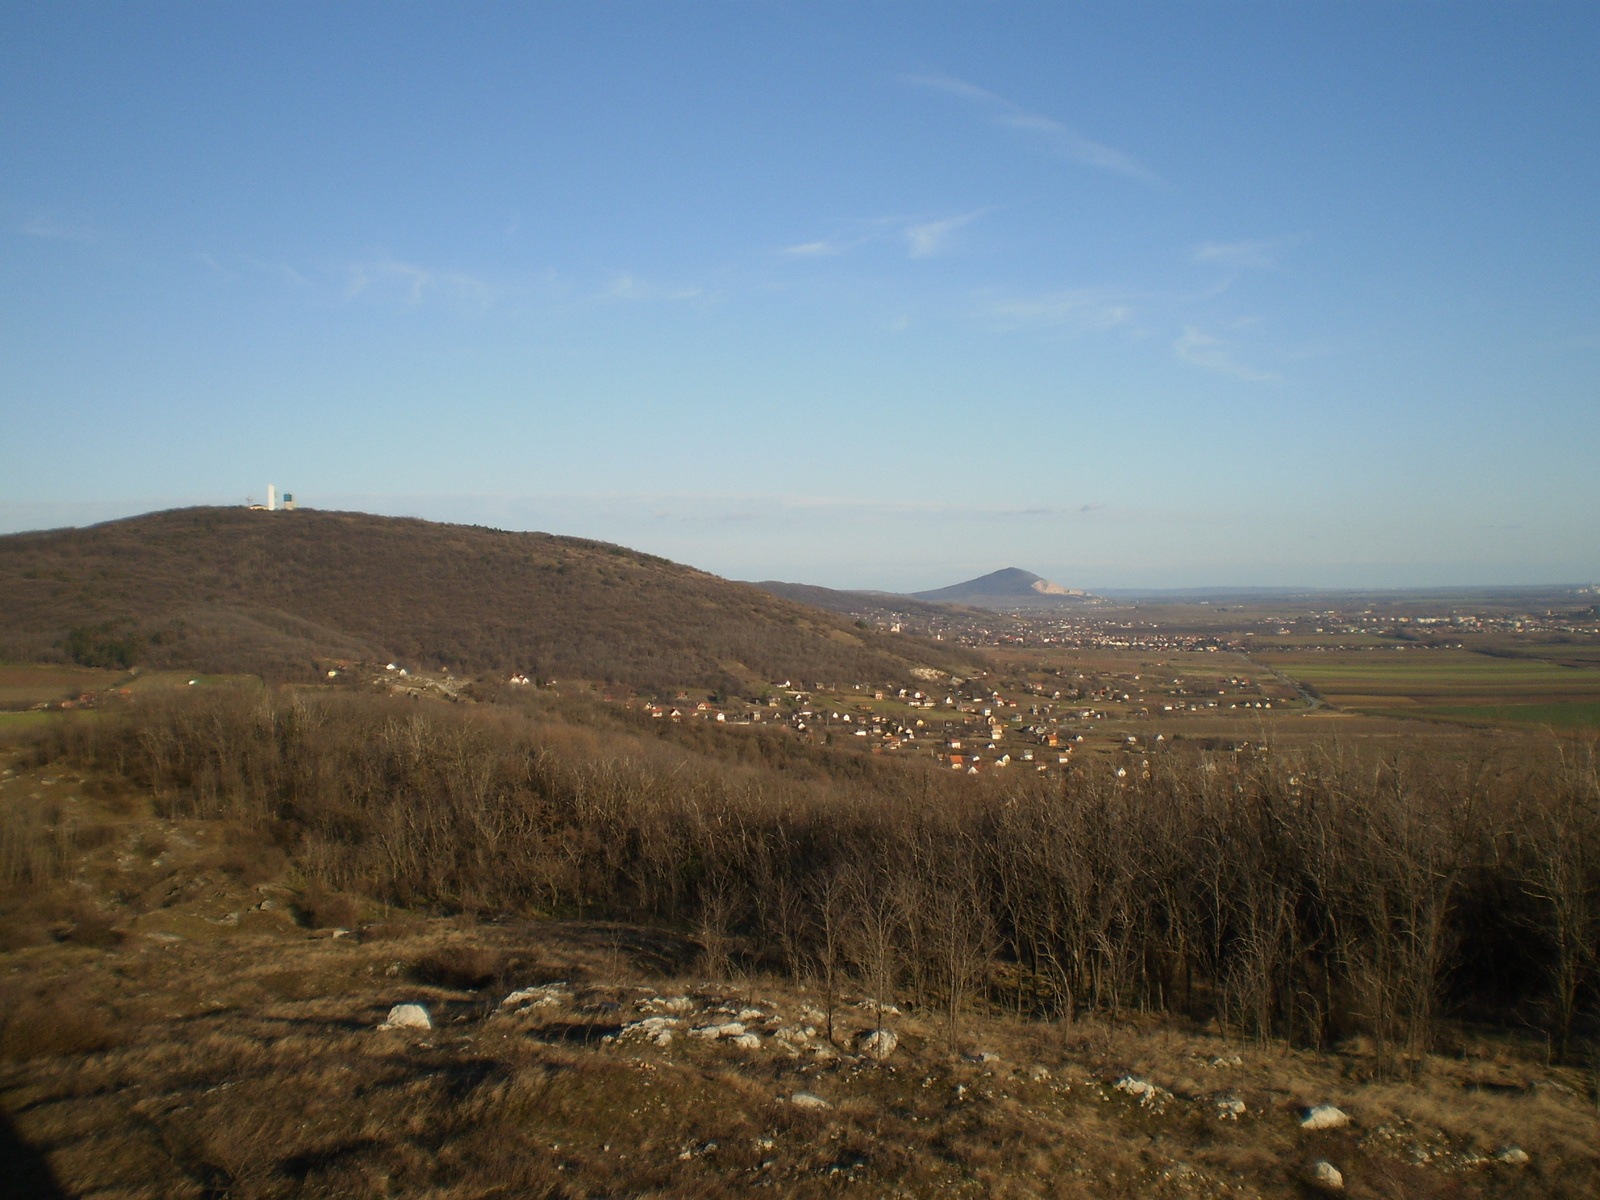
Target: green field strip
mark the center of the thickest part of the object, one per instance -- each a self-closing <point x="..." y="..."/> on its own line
<point x="1563" y="716"/>
<point x="13" y="721"/>
<point x="1465" y="679"/>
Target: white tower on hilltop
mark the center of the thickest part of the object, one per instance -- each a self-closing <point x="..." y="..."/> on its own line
<point x="272" y="497"/>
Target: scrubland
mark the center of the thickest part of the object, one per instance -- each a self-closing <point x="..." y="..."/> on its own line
<point x="212" y="902"/>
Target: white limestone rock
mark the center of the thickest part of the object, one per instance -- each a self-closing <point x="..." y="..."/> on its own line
<point x="807" y="1100"/>
<point x="1149" y="1094"/>
<point x="710" y="1033"/>
<point x="1325" y="1116"/>
<point x="879" y="1044"/>
<point x="654" y="1029"/>
<point x="549" y="996"/>
<point x="408" y="1016"/>
<point x="1325" y="1175"/>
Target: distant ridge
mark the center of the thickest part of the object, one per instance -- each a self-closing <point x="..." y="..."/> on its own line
<point x="283" y="594"/>
<point x="875" y="604"/>
<point x="1009" y="589"/>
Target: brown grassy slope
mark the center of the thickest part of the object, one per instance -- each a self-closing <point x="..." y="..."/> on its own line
<point x="227" y="589"/>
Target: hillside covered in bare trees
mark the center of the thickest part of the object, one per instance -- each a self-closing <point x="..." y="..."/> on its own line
<point x="282" y="594"/>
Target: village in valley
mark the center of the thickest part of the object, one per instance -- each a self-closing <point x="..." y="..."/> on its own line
<point x="1121" y="677"/>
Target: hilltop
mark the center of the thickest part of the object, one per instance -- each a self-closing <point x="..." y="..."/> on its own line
<point x="1008" y="589"/>
<point x="281" y="594"/>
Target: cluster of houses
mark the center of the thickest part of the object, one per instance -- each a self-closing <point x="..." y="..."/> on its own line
<point x="967" y="731"/>
<point x="967" y="725"/>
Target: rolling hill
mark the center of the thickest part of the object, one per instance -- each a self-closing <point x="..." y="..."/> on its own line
<point x="1009" y="589"/>
<point x="282" y="593"/>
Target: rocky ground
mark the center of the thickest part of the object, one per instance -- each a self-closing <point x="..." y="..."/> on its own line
<point x="179" y="1017"/>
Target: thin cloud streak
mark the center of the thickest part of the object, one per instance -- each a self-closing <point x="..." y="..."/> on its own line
<point x="1056" y="136"/>
<point x="1254" y="255"/>
<point x="632" y="288"/>
<point x="54" y="230"/>
<point x="1203" y="350"/>
<point x="933" y="237"/>
<point x="384" y="277"/>
<point x="278" y="270"/>
<point x="923" y="238"/>
<point x="1082" y="311"/>
<point x="816" y="249"/>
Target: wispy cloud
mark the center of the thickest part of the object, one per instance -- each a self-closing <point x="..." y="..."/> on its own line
<point x="1083" y="310"/>
<point x="235" y="265"/>
<point x="384" y="277"/>
<point x="931" y="238"/>
<point x="387" y="276"/>
<point x="1209" y="352"/>
<point x="60" y="231"/>
<point x="278" y="270"/>
<point x="820" y="249"/>
<point x="923" y="238"/>
<point x="631" y="287"/>
<point x="1055" y="136"/>
<point x="1254" y="255"/>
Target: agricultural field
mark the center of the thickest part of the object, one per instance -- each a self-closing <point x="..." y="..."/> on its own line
<point x="158" y="681"/>
<point x="23" y="685"/>
<point x="1450" y="684"/>
<point x="1379" y="665"/>
<point x="26" y="687"/>
<point x="11" y="721"/>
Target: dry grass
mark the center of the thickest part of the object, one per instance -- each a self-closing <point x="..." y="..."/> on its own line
<point x="214" y="1045"/>
<point x="37" y="1023"/>
<point x="249" y="1064"/>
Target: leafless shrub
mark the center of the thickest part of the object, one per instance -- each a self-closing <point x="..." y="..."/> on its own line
<point x="466" y="968"/>
<point x="1314" y="899"/>
<point x="318" y="908"/>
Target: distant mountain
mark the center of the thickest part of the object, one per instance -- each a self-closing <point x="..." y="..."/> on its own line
<point x="283" y="593"/>
<point x="1009" y="589"/>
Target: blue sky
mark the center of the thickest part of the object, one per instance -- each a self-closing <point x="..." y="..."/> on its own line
<point x="876" y="295"/>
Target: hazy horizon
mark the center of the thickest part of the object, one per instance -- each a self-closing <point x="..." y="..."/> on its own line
<point x="860" y="295"/>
